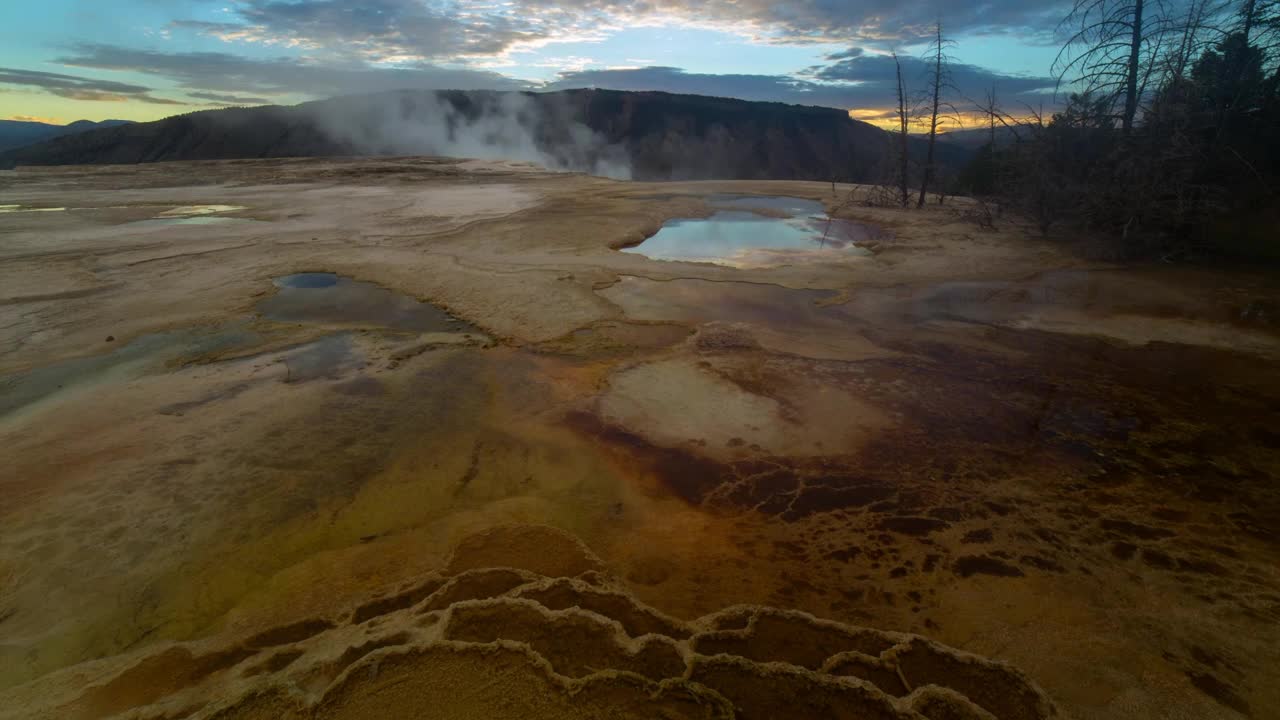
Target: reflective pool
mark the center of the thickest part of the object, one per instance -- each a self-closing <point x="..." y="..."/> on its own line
<point x="197" y="215"/>
<point x="197" y="210"/>
<point x="21" y="208"/>
<point x="195" y="220"/>
<point x="751" y="231"/>
<point x="330" y="299"/>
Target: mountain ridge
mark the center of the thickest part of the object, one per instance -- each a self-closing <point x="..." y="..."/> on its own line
<point x="20" y="133"/>
<point x="646" y="135"/>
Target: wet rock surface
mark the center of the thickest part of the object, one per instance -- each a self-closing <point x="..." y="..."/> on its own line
<point x="975" y="439"/>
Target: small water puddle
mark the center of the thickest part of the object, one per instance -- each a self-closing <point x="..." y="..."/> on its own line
<point x="328" y="358"/>
<point x="146" y="354"/>
<point x="320" y="298"/>
<point x="196" y="215"/>
<point x="330" y="299"/>
<point x="181" y="215"/>
<point x="21" y="208"/>
<point x="759" y="231"/>
<point x="156" y="222"/>
<point x="183" y="211"/>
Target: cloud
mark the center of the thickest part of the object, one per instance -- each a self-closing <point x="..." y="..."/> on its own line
<point x="853" y="52"/>
<point x="222" y="99"/>
<point x="875" y="75"/>
<point x="866" y="22"/>
<point x="398" y="30"/>
<point x="855" y="78"/>
<point x="388" y="30"/>
<point x="76" y="87"/>
<point x="224" y="73"/>
<point x="338" y="47"/>
<point x="90" y="95"/>
<point x="15" y="76"/>
<point x="671" y="79"/>
<point x="878" y="116"/>
<point x="861" y="81"/>
<point x="36" y="119"/>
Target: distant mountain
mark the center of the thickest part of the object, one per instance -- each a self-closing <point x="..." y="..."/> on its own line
<point x="17" y="133"/>
<point x="645" y="135"/>
<point x="979" y="137"/>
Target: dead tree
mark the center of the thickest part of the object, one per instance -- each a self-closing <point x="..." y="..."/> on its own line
<point x="938" y="81"/>
<point x="984" y="172"/>
<point x="1113" y="51"/>
<point x="991" y="109"/>
<point x="1249" y="15"/>
<point x="1131" y="67"/>
<point x="1167" y="104"/>
<point x="903" y="122"/>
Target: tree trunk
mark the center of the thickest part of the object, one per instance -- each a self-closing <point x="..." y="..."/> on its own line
<point x="902" y="134"/>
<point x="1131" y="82"/>
<point x="991" y="146"/>
<point x="933" y="117"/>
<point x="991" y="116"/>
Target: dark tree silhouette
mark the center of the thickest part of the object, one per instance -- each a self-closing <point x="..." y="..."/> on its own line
<point x="939" y="80"/>
<point x="904" y="120"/>
<point x="1113" y="52"/>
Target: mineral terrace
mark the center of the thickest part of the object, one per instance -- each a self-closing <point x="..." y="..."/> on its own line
<point x="388" y="438"/>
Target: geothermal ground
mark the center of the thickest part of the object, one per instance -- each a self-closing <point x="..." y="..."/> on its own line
<point x="411" y="438"/>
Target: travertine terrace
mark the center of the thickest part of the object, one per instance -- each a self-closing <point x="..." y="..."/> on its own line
<point x="972" y="474"/>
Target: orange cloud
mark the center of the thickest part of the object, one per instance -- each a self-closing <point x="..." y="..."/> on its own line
<point x="34" y="118"/>
<point x="887" y="119"/>
<point x="884" y="118"/>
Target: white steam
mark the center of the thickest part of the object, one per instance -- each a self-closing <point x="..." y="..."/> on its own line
<point x="484" y="125"/>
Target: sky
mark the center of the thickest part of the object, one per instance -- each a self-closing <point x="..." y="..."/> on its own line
<point x="65" y="60"/>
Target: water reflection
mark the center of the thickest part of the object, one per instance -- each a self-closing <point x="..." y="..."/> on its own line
<point x="331" y="299"/>
<point x="750" y="233"/>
